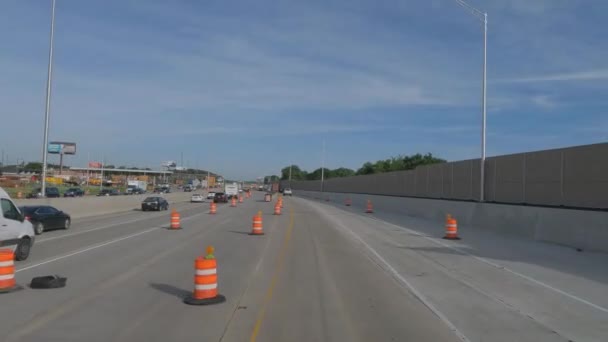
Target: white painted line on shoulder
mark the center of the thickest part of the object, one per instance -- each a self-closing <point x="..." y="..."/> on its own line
<point x="39" y="241"/>
<point x="486" y="261"/>
<point x="392" y="271"/>
<point x="84" y="250"/>
<point x="502" y="267"/>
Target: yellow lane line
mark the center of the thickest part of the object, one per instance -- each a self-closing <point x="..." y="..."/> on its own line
<point x="275" y="278"/>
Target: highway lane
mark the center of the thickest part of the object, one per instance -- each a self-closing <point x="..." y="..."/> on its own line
<point x="304" y="280"/>
<point x="490" y="286"/>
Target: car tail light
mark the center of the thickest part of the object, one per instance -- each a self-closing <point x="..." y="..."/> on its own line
<point x="28" y="218"/>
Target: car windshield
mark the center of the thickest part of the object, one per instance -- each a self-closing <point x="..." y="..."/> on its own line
<point x="151" y="199"/>
<point x="28" y="210"/>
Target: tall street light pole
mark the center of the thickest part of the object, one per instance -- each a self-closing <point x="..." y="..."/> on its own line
<point x="483" y="17"/>
<point x="323" y="166"/>
<point x="48" y="101"/>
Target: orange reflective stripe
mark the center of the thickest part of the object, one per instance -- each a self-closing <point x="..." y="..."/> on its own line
<point x="204" y="294"/>
<point x="7" y="270"/>
<point x="208" y="279"/>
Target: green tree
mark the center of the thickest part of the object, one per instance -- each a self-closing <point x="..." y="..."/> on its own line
<point x="366" y="169"/>
<point x="316" y="174"/>
<point x="33" y="167"/>
<point x="341" y="172"/>
<point x="296" y="173"/>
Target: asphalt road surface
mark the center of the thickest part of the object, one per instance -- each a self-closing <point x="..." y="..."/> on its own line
<point x="319" y="273"/>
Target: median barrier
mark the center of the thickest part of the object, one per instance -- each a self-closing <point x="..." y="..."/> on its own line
<point x="581" y="229"/>
<point x="93" y="206"/>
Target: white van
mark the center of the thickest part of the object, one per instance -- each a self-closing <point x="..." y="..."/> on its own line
<point x="15" y="232"/>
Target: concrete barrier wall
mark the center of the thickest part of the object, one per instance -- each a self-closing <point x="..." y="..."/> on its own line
<point x="569" y="177"/>
<point x="92" y="206"/>
<point x="576" y="228"/>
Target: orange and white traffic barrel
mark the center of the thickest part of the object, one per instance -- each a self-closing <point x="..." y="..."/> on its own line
<point x="256" y="228"/>
<point x="212" y="208"/>
<point x="369" y="208"/>
<point x="175" y="220"/>
<point x="451" y="229"/>
<point x="7" y="271"/>
<point x="233" y="202"/>
<point x="241" y="199"/>
<point x="205" y="281"/>
<point x="277" y="209"/>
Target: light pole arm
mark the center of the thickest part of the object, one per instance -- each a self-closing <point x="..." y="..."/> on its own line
<point x="474" y="11"/>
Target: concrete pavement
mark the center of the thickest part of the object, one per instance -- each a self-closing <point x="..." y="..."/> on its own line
<point x="490" y="286"/>
<point x="320" y="273"/>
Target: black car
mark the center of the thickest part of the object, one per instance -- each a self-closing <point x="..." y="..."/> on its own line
<point x="44" y="217"/>
<point x="138" y="191"/>
<point x="162" y="190"/>
<point x="51" y="192"/>
<point x="73" y="192"/>
<point x="154" y="203"/>
<point x="220" y="197"/>
<point x="108" y="192"/>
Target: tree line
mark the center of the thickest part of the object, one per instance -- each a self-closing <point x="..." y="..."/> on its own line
<point x="399" y="163"/>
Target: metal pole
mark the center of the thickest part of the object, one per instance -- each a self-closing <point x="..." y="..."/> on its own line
<point x="88" y="171"/>
<point x="323" y="166"/>
<point x="290" y="174"/>
<point x="482" y="179"/>
<point x="48" y="101"/>
<point x="103" y="162"/>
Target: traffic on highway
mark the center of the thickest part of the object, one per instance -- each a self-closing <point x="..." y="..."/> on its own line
<point x="303" y="171"/>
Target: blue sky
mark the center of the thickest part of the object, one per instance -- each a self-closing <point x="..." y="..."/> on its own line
<point x="245" y="87"/>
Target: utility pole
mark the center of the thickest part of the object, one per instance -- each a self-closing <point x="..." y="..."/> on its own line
<point x="47" y="110"/>
<point x="483" y="17"/>
<point x="103" y="164"/>
<point x="323" y="166"/>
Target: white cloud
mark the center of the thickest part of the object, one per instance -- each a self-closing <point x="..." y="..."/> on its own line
<point x="591" y="75"/>
<point x="544" y="101"/>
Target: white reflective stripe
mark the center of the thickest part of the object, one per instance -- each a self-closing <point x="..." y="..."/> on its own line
<point x="450" y="225"/>
<point x="205" y="287"/>
<point x="7" y="263"/>
<point x="7" y="276"/>
<point x="206" y="272"/>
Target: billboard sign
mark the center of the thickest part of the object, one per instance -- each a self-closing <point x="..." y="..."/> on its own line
<point x="59" y="147"/>
<point x="169" y="164"/>
<point x="54" y="148"/>
<point x="95" y="165"/>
